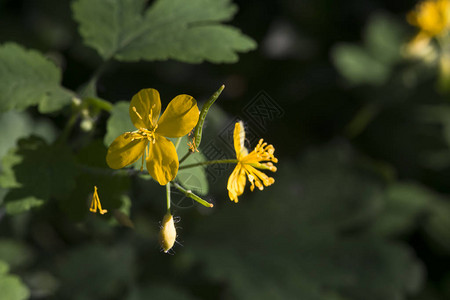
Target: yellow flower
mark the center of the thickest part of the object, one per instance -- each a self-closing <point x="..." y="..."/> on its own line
<point x="148" y="141"/>
<point x="95" y="203"/>
<point x="432" y="17"/>
<point x="249" y="163"/>
<point x="168" y="233"/>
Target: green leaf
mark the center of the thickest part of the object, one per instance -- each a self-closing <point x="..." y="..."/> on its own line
<point x="39" y="172"/>
<point x="4" y="268"/>
<point x="20" y="124"/>
<point x="404" y="203"/>
<point x="13" y="288"/>
<point x="193" y="178"/>
<point x="22" y="202"/>
<point x="371" y="63"/>
<point x="438" y="225"/>
<point x="384" y="37"/>
<point x="8" y="177"/>
<point x="118" y="123"/>
<point x="14" y="253"/>
<point x="358" y="66"/>
<point x="28" y="78"/>
<point x="169" y="29"/>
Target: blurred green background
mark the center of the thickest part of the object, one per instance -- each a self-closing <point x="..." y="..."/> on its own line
<point x="360" y="207"/>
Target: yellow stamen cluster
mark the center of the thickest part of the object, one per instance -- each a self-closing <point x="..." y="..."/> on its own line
<point x="192" y="146"/>
<point x="95" y="203"/>
<point x="144" y="133"/>
<point x="260" y="158"/>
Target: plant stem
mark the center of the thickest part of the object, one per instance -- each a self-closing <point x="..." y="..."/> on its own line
<point x="185" y="156"/>
<point x="210" y="162"/>
<point x="68" y="128"/>
<point x="193" y="196"/>
<point x="168" y="197"/>
<point x="177" y="143"/>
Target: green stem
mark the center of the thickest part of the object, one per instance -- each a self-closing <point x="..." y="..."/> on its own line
<point x="168" y="197"/>
<point x="185" y="156"/>
<point x="100" y="103"/>
<point x="188" y="193"/>
<point x="68" y="128"/>
<point x="210" y="162"/>
<point x="177" y="143"/>
<point x="99" y="71"/>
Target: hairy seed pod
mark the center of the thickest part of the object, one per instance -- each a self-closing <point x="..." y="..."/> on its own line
<point x="168" y="233"/>
<point x="199" y="128"/>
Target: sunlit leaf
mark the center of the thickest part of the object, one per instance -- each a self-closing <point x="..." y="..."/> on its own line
<point x="186" y="31"/>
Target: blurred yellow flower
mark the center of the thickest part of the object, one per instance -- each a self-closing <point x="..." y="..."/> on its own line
<point x="249" y="163"/>
<point x="432" y="17"/>
<point x="95" y="203"/>
<point x="148" y="141"/>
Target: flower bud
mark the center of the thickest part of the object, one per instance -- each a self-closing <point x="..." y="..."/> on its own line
<point x="168" y="233"/>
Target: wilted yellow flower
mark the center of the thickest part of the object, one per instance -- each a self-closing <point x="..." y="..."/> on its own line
<point x="148" y="141"/>
<point x="432" y="17"/>
<point x="95" y="203"/>
<point x="168" y="233"/>
<point x="249" y="163"/>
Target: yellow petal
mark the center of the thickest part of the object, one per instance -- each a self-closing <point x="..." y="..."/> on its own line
<point x="123" y="151"/>
<point x="148" y="106"/>
<point x="236" y="183"/>
<point x="162" y="163"/>
<point x="239" y="139"/>
<point x="180" y="116"/>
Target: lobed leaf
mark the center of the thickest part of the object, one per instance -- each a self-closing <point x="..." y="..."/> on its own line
<point x="188" y="31"/>
<point x="28" y="78"/>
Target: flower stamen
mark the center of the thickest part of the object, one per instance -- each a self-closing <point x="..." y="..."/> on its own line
<point x="95" y="203"/>
<point x="135" y="111"/>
